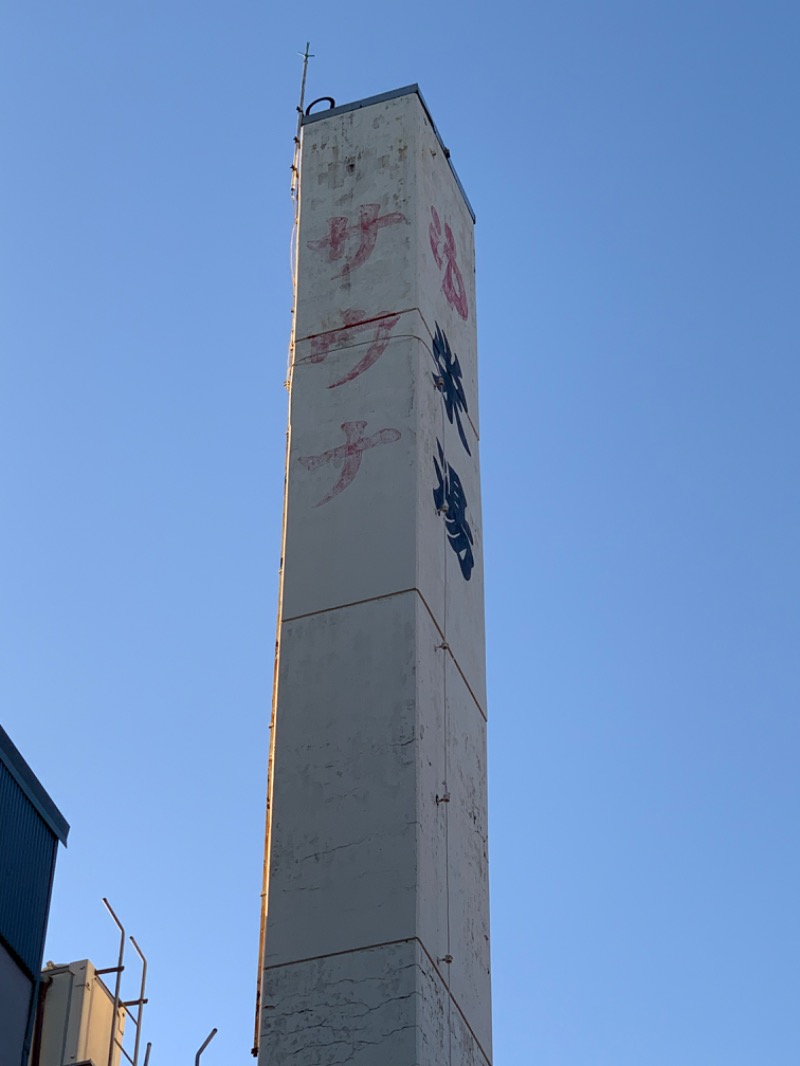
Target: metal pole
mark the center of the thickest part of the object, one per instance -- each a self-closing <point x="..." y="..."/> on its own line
<point x="147" y="1053"/>
<point x="113" y="1039"/>
<point x="306" y="56"/>
<point x="295" y="170"/>
<point x="141" y="1001"/>
<point x="204" y="1045"/>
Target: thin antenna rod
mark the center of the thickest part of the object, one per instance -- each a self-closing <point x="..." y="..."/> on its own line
<point x="306" y="56"/>
<point x="295" y="172"/>
<point x="295" y="194"/>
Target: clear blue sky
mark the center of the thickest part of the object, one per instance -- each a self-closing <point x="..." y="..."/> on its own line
<point x="635" y="169"/>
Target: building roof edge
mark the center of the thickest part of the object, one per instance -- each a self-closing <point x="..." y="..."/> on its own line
<point x="393" y="94"/>
<point x="30" y="784"/>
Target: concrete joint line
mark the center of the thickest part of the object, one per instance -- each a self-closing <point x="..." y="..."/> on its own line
<point x="389" y="944"/>
<point x="344" y="606"/>
<point x="387" y="596"/>
<point x="346" y="951"/>
<point x="446" y="647"/>
<point x="453" y="999"/>
<point x="361" y="322"/>
<point x="428" y="344"/>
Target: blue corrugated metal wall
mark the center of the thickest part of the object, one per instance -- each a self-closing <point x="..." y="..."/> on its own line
<point x="27" y="854"/>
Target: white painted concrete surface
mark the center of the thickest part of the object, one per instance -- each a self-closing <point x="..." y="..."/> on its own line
<point x="377" y="945"/>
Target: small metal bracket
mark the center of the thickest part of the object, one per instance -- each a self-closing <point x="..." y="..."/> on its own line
<point x="444" y="646"/>
<point x="446" y="958"/>
<point x="444" y="798"/>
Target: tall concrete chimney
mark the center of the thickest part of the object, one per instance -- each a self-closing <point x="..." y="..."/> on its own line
<point x="377" y="931"/>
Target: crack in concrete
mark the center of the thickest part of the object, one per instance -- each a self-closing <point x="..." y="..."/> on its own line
<point x="329" y="851"/>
